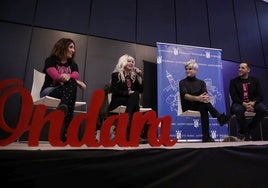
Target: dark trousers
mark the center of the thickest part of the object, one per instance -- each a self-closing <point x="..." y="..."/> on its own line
<point x="239" y="111"/>
<point x="132" y="103"/>
<point x="204" y="109"/>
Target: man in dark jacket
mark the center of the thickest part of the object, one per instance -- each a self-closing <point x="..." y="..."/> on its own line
<point x="247" y="95"/>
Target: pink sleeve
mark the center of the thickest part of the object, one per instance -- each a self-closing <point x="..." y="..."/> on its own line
<point x="53" y="73"/>
<point x="75" y="75"/>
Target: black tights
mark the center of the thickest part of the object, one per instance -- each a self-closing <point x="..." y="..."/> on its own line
<point x="133" y="103"/>
<point x="67" y="94"/>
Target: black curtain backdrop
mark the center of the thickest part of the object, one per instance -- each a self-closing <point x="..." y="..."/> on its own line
<point x="150" y="85"/>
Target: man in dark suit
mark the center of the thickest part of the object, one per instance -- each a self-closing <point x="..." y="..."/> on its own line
<point x="247" y="95"/>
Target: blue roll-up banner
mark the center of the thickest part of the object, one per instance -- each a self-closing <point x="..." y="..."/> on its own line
<point x="170" y="70"/>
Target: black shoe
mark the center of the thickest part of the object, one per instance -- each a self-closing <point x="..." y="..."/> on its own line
<point x="241" y="136"/>
<point x="244" y="137"/>
<point x="248" y="137"/>
<point x="64" y="137"/>
<point x="208" y="139"/>
<point x="64" y="108"/>
<point x="143" y="141"/>
<point x="223" y="119"/>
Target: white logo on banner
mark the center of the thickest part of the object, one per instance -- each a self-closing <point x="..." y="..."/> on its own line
<point x="159" y="59"/>
<point x="178" y="134"/>
<point x="196" y="122"/>
<point x="213" y="91"/>
<point x="207" y="54"/>
<point x="214" y="134"/>
<point x="176" y="51"/>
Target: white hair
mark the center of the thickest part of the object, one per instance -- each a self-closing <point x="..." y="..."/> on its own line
<point x="122" y="62"/>
<point x="191" y="64"/>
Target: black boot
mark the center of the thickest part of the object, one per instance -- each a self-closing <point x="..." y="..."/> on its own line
<point x="223" y="119"/>
<point x="208" y="139"/>
<point x="206" y="136"/>
<point x="63" y="108"/>
<point x="67" y="121"/>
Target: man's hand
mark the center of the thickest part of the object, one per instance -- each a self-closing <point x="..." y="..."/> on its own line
<point x="249" y="106"/>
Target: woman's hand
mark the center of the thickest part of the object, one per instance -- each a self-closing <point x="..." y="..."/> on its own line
<point x="81" y="84"/>
<point x="204" y="97"/>
<point x="137" y="71"/>
<point x="65" y="77"/>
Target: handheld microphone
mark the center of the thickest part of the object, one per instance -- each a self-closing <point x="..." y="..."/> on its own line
<point x="138" y="72"/>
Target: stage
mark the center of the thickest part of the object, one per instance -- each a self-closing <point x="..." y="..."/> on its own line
<point x="219" y="164"/>
<point x="44" y="145"/>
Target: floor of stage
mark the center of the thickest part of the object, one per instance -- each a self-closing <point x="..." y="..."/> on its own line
<point x="191" y="164"/>
<point x="44" y="145"/>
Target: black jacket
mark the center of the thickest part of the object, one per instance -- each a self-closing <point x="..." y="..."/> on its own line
<point x="119" y="91"/>
<point x="254" y="89"/>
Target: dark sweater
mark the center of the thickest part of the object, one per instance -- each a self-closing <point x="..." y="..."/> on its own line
<point x="192" y="86"/>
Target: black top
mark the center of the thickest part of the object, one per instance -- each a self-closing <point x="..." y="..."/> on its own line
<point x="192" y="86"/>
<point x="119" y="90"/>
<point x="52" y="61"/>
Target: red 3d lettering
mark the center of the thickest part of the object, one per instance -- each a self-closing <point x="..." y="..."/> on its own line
<point x="33" y="118"/>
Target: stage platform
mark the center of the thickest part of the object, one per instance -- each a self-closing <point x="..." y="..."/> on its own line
<point x="44" y="145"/>
<point x="218" y="164"/>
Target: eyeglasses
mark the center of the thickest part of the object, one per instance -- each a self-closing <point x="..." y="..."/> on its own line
<point x="188" y="68"/>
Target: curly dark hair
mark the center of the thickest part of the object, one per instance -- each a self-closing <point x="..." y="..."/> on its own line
<point x="61" y="47"/>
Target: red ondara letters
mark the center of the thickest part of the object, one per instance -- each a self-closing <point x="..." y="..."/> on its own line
<point x="33" y="118"/>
